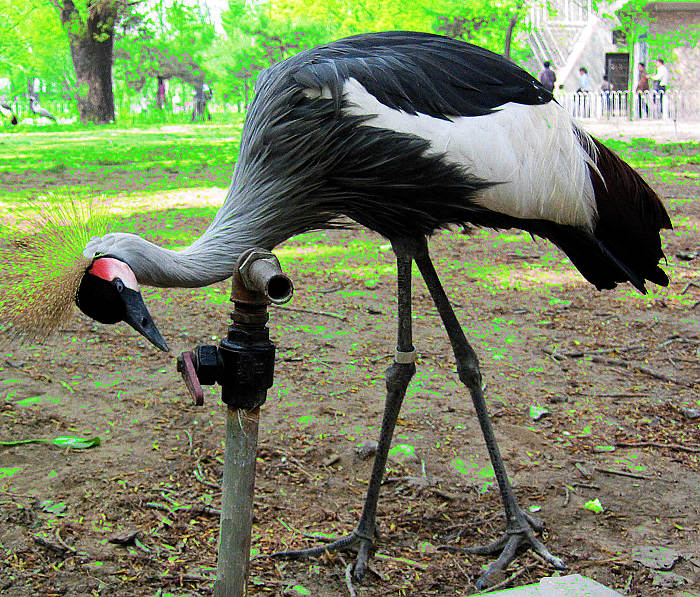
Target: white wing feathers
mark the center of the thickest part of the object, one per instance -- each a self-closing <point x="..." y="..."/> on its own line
<point x="532" y="150"/>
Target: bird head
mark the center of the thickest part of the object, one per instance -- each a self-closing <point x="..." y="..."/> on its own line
<point x="109" y="292"/>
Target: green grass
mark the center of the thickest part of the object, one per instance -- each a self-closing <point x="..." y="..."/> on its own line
<point x="44" y="155"/>
<point x="647" y="153"/>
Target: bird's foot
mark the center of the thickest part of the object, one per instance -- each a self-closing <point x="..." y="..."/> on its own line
<point x="519" y="537"/>
<point x="357" y="542"/>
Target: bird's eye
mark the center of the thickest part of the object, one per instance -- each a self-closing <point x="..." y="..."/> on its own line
<point x="119" y="284"/>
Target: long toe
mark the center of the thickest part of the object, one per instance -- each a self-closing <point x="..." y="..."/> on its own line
<point x="540" y="549"/>
<point x="348" y="543"/>
<point x="535" y="523"/>
<point x="509" y="546"/>
<point x="510" y="551"/>
<point x="490" y="549"/>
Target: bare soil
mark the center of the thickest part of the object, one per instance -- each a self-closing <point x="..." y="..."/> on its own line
<point x="613" y="374"/>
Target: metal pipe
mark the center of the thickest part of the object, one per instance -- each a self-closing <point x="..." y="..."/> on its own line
<point x="237" y="502"/>
<point x="243" y="364"/>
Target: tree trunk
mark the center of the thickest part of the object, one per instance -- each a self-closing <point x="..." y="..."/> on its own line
<point x="91" y="46"/>
<point x="509" y="35"/>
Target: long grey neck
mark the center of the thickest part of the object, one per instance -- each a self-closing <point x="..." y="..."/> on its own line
<point x="206" y="261"/>
<point x="243" y="221"/>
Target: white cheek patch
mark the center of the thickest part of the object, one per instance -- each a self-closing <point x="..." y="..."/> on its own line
<point x="109" y="268"/>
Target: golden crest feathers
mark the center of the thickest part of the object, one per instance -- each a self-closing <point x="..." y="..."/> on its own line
<point x="40" y="272"/>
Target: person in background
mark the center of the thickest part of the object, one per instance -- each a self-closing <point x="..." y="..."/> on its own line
<point x="584" y="88"/>
<point x="642" y="90"/>
<point x="606" y="88"/>
<point x="584" y="85"/>
<point x="547" y="76"/>
<point x="662" y="76"/>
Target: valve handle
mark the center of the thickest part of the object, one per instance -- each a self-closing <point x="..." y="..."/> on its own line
<point x="185" y="365"/>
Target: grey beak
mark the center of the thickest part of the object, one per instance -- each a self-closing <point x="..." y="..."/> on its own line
<point x="138" y="317"/>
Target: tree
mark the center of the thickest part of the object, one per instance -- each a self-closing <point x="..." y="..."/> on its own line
<point x="484" y="23"/>
<point x="91" y="36"/>
<point x="171" y="40"/>
<point x="256" y="38"/>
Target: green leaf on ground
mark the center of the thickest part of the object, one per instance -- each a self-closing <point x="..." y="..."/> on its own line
<point x="77" y="443"/>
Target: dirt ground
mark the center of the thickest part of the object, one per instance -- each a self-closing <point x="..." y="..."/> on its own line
<point x="137" y="515"/>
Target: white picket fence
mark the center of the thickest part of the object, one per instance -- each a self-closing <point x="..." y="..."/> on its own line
<point x="674" y="104"/>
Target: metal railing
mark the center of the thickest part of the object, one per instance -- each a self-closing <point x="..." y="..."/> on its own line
<point x="674" y="104"/>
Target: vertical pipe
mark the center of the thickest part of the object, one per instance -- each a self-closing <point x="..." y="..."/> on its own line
<point x="237" y="502"/>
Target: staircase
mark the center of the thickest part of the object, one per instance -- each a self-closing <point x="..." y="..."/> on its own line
<point x="569" y="34"/>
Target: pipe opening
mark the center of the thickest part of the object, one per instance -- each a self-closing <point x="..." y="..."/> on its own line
<point x="279" y="289"/>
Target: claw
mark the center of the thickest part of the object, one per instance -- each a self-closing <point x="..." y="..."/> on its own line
<point x="517" y="538"/>
<point x="357" y="542"/>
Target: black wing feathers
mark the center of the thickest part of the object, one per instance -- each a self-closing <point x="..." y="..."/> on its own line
<point x="417" y="72"/>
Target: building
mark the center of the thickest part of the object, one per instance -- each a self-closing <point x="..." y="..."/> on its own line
<point x="571" y="34"/>
<point x="675" y="16"/>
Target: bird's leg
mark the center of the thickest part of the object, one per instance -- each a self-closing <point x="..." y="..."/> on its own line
<point x="520" y="526"/>
<point x="398" y="376"/>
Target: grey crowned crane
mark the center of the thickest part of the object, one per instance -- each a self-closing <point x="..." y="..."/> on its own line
<point x="405" y="133"/>
<point x="36" y="108"/>
<point x="7" y="113"/>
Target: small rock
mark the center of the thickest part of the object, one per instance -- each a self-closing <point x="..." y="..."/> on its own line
<point x="594" y="506"/>
<point x="332" y="459"/>
<point x="127" y="537"/>
<point x="690" y="413"/>
<point x="558" y="398"/>
<point x="403" y="453"/>
<point x="537" y="412"/>
<point x="366" y="450"/>
<point x="686" y="255"/>
<point x="14" y="364"/>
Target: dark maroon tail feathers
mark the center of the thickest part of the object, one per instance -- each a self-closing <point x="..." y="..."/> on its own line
<point x="630" y="216"/>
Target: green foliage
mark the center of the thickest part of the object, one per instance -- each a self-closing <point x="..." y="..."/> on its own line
<point x="172" y="40"/>
<point x="299" y="24"/>
<point x="32" y="44"/>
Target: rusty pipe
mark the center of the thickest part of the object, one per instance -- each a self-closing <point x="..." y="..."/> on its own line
<point x="260" y="272"/>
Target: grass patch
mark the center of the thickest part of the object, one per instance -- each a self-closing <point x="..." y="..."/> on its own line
<point x="647" y="153"/>
<point x="103" y="150"/>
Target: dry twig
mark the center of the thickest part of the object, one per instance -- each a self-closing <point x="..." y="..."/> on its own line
<point x="631" y="475"/>
<point x="650" y="444"/>
<point x="566" y="497"/>
<point x="596" y="358"/>
<point x="348" y="579"/>
<point x="507" y="581"/>
<point x="642" y="369"/>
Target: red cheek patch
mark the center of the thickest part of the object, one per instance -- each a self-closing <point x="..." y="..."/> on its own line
<point x="109" y="268"/>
